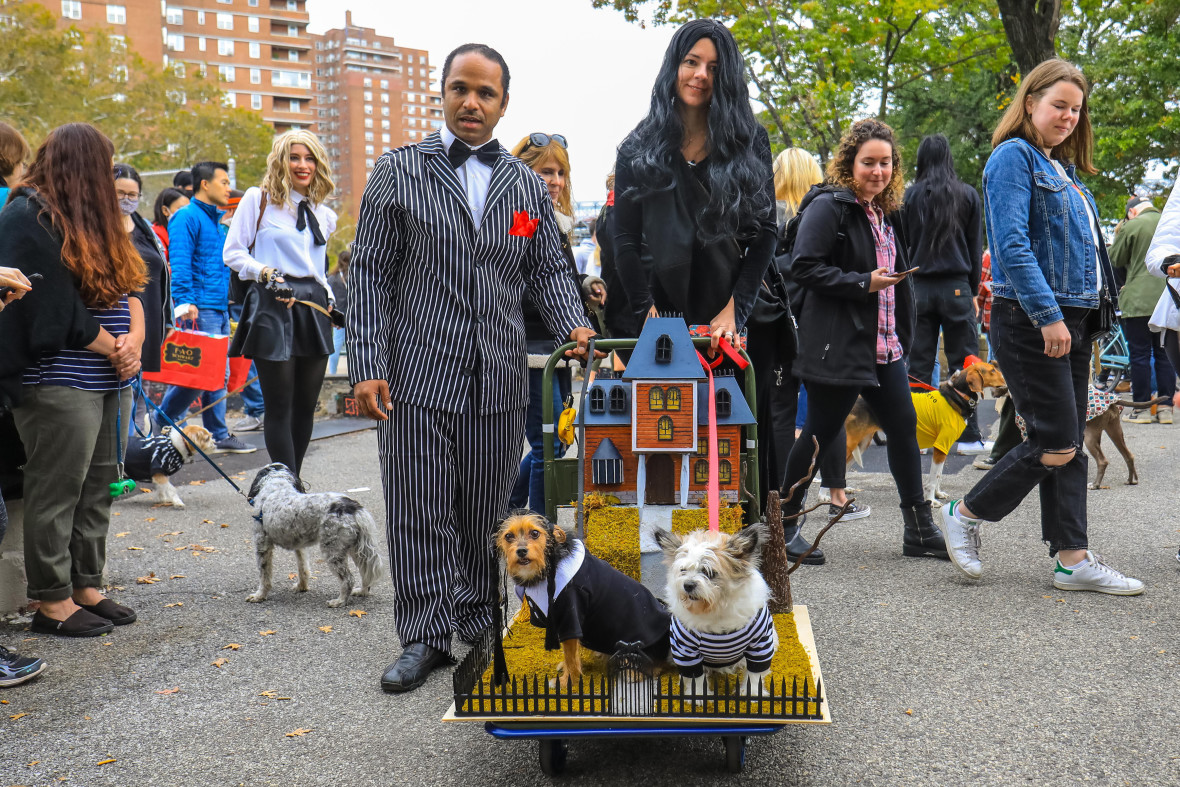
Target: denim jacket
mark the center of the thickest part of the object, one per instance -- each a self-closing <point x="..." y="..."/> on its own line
<point x="1039" y="234"/>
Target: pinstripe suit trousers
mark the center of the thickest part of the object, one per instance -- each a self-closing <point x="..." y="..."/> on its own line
<point x="446" y="477"/>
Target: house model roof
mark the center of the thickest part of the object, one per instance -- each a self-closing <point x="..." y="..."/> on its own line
<point x="684" y="364"/>
<point x="739" y="408"/>
<point x="607" y="417"/>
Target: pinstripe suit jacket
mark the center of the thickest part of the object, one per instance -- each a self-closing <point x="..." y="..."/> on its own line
<point x="435" y="304"/>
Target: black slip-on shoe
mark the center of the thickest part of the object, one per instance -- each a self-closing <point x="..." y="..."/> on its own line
<point x="115" y="613"/>
<point x="413" y="667"/>
<point x="80" y="624"/>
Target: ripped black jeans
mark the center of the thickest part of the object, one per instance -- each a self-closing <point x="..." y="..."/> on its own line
<point x="1050" y="394"/>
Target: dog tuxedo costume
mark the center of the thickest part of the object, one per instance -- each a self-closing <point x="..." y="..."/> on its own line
<point x="151" y="456"/>
<point x="694" y="650"/>
<point x="595" y="603"/>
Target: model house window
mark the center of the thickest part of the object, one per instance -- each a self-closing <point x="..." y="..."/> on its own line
<point x="722" y="448"/>
<point x="252" y="24"/>
<point x="255" y="100"/>
<point x="702" y="446"/>
<point x="174" y="16"/>
<point x="225" y="48"/>
<point x="672" y="399"/>
<point x="664" y="349"/>
<point x="655" y="398"/>
<point x="255" y="50"/>
<point x="724" y="471"/>
<point x="71" y="9"/>
<point x="700" y="472"/>
<point x="606" y="466"/>
<point x="597" y="400"/>
<point x="225" y="21"/>
<point x="724" y="404"/>
<point x="664" y="428"/>
<point x="116" y="15"/>
<point x="618" y="400"/>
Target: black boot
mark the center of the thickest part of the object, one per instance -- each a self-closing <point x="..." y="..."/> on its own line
<point x="797" y="544"/>
<point x="921" y="537"/>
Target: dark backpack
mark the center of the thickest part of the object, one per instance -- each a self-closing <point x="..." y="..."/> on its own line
<point x="785" y="251"/>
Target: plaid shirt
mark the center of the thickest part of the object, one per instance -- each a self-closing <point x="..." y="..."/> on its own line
<point x="888" y="346"/>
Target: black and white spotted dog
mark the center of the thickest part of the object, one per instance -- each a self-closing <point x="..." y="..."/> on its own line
<point x="291" y="518"/>
<point x="158" y="457"/>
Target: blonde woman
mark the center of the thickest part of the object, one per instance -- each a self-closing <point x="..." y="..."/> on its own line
<point x="547" y="155"/>
<point x="795" y="172"/>
<point x="278" y="242"/>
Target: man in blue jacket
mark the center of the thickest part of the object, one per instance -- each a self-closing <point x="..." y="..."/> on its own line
<point x="200" y="288"/>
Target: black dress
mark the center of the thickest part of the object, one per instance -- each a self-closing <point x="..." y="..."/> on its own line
<point x="269" y="330"/>
<point x="156" y="296"/>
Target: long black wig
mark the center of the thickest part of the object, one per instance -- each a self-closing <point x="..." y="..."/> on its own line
<point x="943" y="206"/>
<point x="738" y="175"/>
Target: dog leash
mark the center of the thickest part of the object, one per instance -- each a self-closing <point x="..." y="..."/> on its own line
<point x="714" y="484"/>
<point x="135" y="383"/>
<point x="121" y="485"/>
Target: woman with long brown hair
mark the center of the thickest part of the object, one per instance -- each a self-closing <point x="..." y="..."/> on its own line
<point x="72" y="344"/>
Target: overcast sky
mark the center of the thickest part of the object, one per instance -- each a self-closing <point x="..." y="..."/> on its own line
<point x="577" y="71"/>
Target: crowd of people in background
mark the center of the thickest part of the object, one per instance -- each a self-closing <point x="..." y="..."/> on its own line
<point x="839" y="283"/>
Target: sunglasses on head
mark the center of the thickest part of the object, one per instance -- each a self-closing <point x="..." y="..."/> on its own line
<point x="539" y="140"/>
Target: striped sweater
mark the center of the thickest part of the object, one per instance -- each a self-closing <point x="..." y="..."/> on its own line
<point x="694" y="650"/>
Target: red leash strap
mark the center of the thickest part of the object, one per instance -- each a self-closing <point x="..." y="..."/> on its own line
<point x="921" y="386"/>
<point x="714" y="488"/>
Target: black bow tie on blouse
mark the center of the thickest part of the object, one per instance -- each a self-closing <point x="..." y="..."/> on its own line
<point x="306" y="218"/>
<point x="459" y="153"/>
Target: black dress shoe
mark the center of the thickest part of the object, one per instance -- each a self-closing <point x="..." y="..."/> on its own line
<point x="413" y="667"/>
<point x="115" y="613"/>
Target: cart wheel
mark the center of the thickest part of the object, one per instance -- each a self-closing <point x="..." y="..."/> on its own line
<point x="735" y="753"/>
<point x="553" y="752"/>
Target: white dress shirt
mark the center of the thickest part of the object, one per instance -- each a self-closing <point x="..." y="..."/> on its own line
<point x="474" y="176"/>
<point x="279" y="245"/>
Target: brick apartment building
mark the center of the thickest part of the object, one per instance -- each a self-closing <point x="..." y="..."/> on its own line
<point x="371" y="95"/>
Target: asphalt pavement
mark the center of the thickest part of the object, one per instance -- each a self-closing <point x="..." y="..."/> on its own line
<point x="931" y="678"/>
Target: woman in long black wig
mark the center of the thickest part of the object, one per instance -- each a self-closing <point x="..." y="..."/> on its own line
<point x="695" y="213"/>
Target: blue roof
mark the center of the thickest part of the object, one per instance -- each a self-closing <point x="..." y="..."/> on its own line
<point x="684" y="366"/>
<point x="606" y="450"/>
<point x="739" y="411"/>
<point x="607" y="418"/>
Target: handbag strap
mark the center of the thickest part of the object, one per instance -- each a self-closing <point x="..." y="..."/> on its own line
<point x="258" y="226"/>
<point x="1172" y="291"/>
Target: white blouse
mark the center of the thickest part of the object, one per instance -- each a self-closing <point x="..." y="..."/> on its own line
<point x="279" y="244"/>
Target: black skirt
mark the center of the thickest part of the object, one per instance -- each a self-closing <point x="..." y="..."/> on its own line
<point x="270" y="331"/>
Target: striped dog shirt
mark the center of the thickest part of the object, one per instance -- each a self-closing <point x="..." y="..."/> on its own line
<point x="694" y="650"/>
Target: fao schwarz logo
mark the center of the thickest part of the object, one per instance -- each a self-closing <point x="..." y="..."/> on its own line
<point x="184" y="356"/>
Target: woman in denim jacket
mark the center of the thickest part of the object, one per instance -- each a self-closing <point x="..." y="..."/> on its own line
<point x="1049" y="265"/>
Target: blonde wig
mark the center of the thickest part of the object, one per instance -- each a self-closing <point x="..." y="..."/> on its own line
<point x="795" y="172"/>
<point x="276" y="183"/>
<point x="537" y="157"/>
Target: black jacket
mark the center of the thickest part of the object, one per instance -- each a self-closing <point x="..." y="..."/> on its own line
<point x="838" y="318"/>
<point x="962" y="256"/>
<point x="52" y="316"/>
<point x="156" y="296"/>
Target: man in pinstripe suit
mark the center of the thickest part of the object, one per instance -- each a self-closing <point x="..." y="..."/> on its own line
<point x="452" y="232"/>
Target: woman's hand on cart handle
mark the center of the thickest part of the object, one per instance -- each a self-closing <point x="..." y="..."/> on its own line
<point x="1057" y="339"/>
<point x="724" y="326"/>
<point x="582" y="337"/>
<point x="371" y="396"/>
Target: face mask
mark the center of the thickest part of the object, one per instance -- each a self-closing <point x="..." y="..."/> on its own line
<point x="128" y="205"/>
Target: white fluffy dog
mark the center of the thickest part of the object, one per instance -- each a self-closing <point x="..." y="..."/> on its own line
<point x="292" y="519"/>
<point x="720" y="620"/>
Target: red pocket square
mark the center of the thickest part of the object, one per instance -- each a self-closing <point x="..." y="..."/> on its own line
<point x="522" y="225"/>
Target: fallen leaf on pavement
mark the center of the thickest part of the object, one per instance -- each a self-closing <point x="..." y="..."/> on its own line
<point x="173" y="690"/>
<point x="18" y="716"/>
<point x="173" y="533"/>
<point x="225" y="524"/>
<point x="196" y="483"/>
<point x="3" y="702"/>
<point x="150" y="579"/>
<point x="326" y="629"/>
<point x="107" y="644"/>
<point x="150" y="519"/>
<point x="356" y="613"/>
<point x="178" y="576"/>
<point x="106" y="762"/>
<point x="231" y="646"/>
<point x="124" y="533"/>
<point x="195" y="548"/>
<point x="177" y="604"/>
<point x="116" y="513"/>
<point x="269" y="694"/>
<point x="909" y="711"/>
<point x="34" y="762"/>
<point x="134" y="549"/>
<point x="267" y="633"/>
<point x="291" y="576"/>
<point x="218" y="662"/>
<point x="298" y="732"/>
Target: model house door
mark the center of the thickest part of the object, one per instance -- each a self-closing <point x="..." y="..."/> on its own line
<point x="661" y="476"/>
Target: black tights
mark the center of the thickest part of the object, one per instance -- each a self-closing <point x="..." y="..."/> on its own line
<point x="290" y="391"/>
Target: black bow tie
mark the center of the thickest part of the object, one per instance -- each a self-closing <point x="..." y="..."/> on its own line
<point x="459" y="153"/>
<point x="306" y="218"/>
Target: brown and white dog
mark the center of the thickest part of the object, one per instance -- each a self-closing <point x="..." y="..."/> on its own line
<point x="161" y="456"/>
<point x="938" y="426"/>
<point x="578" y="598"/>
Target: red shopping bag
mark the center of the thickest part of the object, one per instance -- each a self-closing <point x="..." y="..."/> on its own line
<point x="239" y="373"/>
<point x="192" y="359"/>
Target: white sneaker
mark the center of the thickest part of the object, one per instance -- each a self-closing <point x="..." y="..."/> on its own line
<point x="962" y="540"/>
<point x="1096" y="576"/>
<point x="977" y="447"/>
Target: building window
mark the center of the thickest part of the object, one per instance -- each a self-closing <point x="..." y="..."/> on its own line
<point x="368" y="95"/>
<point x="174" y="16"/>
<point x="722" y="448"/>
<point x="700" y="472"/>
<point x="368" y="163"/>
<point x="724" y="472"/>
<point x="252" y="24"/>
<point x="292" y="30"/>
<point x="292" y="5"/>
<point x="71" y="9"/>
<point x="368" y="109"/>
<point x="255" y="76"/>
<point x="618" y="400"/>
<point x="200" y="17"/>
<point x="178" y="69"/>
<point x="385" y="124"/>
<point x="225" y="21"/>
<point x="293" y="55"/>
<point x="385" y="84"/>
<point x="255" y="50"/>
<point x="664" y="428"/>
<point x="724" y="404"/>
<point x="175" y="42"/>
<point x="227" y="73"/>
<point x="368" y="136"/>
<point x="201" y="43"/>
<point x="119" y="74"/>
<point x="672" y="399"/>
<point x="225" y="47"/>
<point x="255" y="100"/>
<point x="368" y="82"/>
<point x="655" y="398"/>
<point x="116" y="15"/>
<point x="230" y="99"/>
<point x="293" y="106"/>
<point x="664" y="349"/>
<point x="252" y="3"/>
<point x="384" y="98"/>
<point x="368" y="122"/>
<point x="597" y="400"/>
<point x="368" y="150"/>
<point x="385" y="111"/>
<point x="290" y="79"/>
<point x="385" y="139"/>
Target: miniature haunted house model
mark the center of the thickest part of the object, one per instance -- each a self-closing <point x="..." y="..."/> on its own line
<point x="646" y="432"/>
